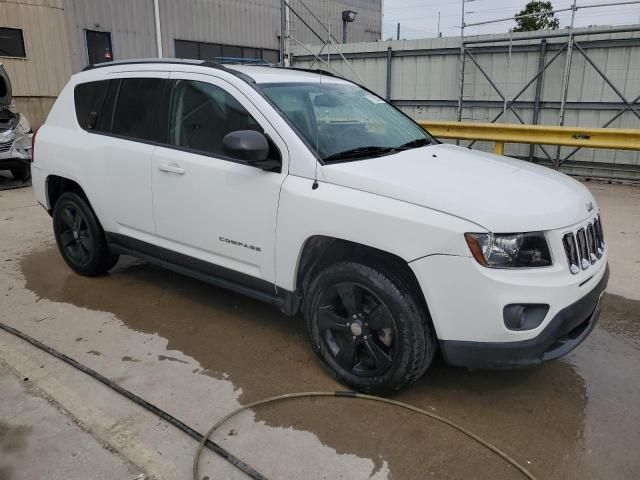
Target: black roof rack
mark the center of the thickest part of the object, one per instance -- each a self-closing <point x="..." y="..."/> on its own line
<point x="202" y="63"/>
<point x="139" y="61"/>
<point x="319" y="71"/>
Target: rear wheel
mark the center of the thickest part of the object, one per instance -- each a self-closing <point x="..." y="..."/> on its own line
<point x="22" y="172"/>
<point x="368" y="328"/>
<point x="80" y="237"/>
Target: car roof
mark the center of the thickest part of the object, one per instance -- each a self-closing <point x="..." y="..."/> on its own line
<point x="254" y="73"/>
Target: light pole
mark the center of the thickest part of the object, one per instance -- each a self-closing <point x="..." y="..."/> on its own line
<point x="348" y="16"/>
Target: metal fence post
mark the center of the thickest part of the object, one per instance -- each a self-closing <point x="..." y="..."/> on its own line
<point x="565" y="80"/>
<point x="462" y="61"/>
<point x="389" y="73"/>
<point x="538" y="94"/>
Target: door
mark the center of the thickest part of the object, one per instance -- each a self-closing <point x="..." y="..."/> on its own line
<point x="119" y="169"/>
<point x="98" y="47"/>
<point x="209" y="206"/>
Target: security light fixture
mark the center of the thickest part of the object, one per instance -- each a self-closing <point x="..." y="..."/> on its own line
<point x="348" y="16"/>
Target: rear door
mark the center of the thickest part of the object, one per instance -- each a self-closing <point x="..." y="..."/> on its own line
<point x="209" y="206"/>
<point x="121" y="155"/>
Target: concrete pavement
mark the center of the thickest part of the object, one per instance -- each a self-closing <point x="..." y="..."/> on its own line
<point x="199" y="352"/>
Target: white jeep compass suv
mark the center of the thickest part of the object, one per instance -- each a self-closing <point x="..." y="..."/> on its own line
<point x="312" y="193"/>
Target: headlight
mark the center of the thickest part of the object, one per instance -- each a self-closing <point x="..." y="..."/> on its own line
<point x="23" y="125"/>
<point x="509" y="250"/>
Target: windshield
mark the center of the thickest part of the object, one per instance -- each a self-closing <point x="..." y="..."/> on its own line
<point x="344" y="121"/>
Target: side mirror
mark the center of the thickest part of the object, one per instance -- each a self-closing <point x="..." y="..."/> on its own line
<point x="246" y="145"/>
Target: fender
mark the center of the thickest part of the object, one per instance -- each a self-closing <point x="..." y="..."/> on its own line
<point x="405" y="230"/>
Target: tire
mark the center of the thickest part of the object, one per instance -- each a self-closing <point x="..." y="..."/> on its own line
<point x="80" y="237"/>
<point x="350" y="306"/>
<point x="22" y="172"/>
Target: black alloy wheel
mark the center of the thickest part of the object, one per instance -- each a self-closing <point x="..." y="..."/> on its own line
<point x="368" y="326"/>
<point x="357" y="329"/>
<point x="80" y="237"/>
<point x="75" y="235"/>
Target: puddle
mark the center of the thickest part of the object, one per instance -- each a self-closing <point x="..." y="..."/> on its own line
<point x="539" y="415"/>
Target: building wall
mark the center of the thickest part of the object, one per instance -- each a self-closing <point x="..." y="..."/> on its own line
<point x="248" y="23"/>
<point x="54" y="33"/>
<point x="37" y="79"/>
<point x="365" y="28"/>
<point x="130" y="22"/>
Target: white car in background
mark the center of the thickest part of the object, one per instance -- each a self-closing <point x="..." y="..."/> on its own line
<point x="312" y="193"/>
<point x="15" y="134"/>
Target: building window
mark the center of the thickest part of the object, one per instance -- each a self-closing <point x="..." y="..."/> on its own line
<point x="12" y="43"/>
<point x="99" y="47"/>
<point x="221" y="53"/>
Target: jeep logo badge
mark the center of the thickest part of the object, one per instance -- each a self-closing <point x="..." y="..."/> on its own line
<point x="589" y="206"/>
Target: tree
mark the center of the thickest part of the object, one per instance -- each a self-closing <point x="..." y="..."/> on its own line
<point x="546" y="21"/>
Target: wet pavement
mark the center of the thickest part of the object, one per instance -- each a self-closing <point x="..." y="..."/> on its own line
<point x="199" y="351"/>
<point x="573" y="418"/>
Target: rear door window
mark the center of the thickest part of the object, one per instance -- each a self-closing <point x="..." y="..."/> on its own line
<point x="141" y="109"/>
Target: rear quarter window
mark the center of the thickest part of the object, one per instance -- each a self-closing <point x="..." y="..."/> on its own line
<point x="89" y="100"/>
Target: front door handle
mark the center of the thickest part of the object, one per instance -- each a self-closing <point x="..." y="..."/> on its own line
<point x="172" y="168"/>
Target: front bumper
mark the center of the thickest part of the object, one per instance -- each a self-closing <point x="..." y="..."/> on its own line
<point x="564" y="332"/>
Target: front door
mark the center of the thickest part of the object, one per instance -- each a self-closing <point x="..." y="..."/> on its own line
<point x="206" y="205"/>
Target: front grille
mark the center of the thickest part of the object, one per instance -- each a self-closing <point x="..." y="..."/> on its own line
<point x="6" y="146"/>
<point x="584" y="247"/>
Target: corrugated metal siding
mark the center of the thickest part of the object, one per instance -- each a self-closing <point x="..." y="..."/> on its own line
<point x="366" y="27"/>
<point x="256" y="23"/>
<point x="35" y="109"/>
<point x="130" y="22"/>
<point x="46" y="69"/>
<point x="250" y="23"/>
<point x="424" y="82"/>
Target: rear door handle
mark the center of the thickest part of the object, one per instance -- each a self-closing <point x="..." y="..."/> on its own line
<point x="171" y="168"/>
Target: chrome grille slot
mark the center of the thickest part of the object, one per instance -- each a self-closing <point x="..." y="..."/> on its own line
<point x="583" y="251"/>
<point x="585" y="246"/>
<point x="591" y="244"/>
<point x="597" y="226"/>
<point x="570" y="249"/>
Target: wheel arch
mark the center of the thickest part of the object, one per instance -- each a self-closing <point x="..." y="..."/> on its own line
<point x="56" y="185"/>
<point x="319" y="251"/>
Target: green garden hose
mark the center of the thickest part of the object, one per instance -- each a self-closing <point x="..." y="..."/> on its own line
<point x="361" y="396"/>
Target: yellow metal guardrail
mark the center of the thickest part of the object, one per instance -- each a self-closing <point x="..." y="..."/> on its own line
<point x="501" y="133"/>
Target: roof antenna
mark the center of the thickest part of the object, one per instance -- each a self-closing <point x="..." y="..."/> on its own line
<point x="314" y="185"/>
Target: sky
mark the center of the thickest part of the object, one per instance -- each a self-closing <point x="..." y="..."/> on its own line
<point x="419" y="18"/>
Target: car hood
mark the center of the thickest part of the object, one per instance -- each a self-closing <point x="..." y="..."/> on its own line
<point x="498" y="193"/>
<point x="5" y="88"/>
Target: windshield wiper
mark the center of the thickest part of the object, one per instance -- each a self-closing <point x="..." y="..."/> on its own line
<point x="418" y="142"/>
<point x="360" y="152"/>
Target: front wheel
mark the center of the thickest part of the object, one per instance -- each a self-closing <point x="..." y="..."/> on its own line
<point x="80" y="237"/>
<point x="367" y="326"/>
